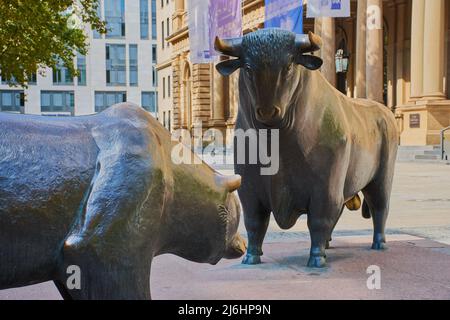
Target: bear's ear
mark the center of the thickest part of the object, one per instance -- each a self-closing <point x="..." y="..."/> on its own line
<point x="227" y="67"/>
<point x="309" y="62"/>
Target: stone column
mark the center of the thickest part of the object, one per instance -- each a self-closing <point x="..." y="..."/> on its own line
<point x="400" y="52"/>
<point x="178" y="15"/>
<point x="328" y="52"/>
<point x="374" y="50"/>
<point x="417" y="34"/>
<point x="360" y="69"/>
<point x="218" y="110"/>
<point x="434" y="49"/>
<point x="391" y="17"/>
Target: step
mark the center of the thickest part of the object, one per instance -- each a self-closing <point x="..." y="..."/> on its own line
<point x="427" y="157"/>
<point x="436" y="152"/>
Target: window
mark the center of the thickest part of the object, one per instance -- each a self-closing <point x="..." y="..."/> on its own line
<point x="97" y="35"/>
<point x="81" y="66"/>
<point x="155" y="76"/>
<point x="164" y="87"/>
<point x="149" y="102"/>
<point x="32" y="79"/>
<point x="104" y="100"/>
<point x="154" y="34"/>
<point x="12" y="81"/>
<point x="154" y="54"/>
<point x="168" y="86"/>
<point x="12" y="101"/>
<point x="116" y="69"/>
<point x="57" y="101"/>
<point x="133" y="64"/>
<point x="164" y="119"/>
<point x="162" y="34"/>
<point x="62" y="75"/>
<point x="169" y="124"/>
<point x="162" y="3"/>
<point x="144" y="19"/>
<point x="115" y="18"/>
<point x="168" y="29"/>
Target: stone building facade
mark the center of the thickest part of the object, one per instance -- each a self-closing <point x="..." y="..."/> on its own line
<point x="398" y="54"/>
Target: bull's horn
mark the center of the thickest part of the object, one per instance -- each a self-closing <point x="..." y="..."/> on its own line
<point x="229" y="47"/>
<point x="308" y="43"/>
<point x="230" y="183"/>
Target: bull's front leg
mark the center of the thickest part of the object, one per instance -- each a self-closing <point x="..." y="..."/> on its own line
<point x="256" y="221"/>
<point x="322" y="218"/>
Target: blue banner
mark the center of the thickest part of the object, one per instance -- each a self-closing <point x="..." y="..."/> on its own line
<point x="285" y="14"/>
<point x="208" y="19"/>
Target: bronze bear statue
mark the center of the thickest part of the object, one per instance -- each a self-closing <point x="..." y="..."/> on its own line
<point x="101" y="193"/>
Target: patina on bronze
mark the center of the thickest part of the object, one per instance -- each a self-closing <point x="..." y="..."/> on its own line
<point x="101" y="193"/>
<point x="331" y="147"/>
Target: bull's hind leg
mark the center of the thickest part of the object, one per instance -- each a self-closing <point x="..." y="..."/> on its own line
<point x="377" y="197"/>
<point x="256" y="223"/>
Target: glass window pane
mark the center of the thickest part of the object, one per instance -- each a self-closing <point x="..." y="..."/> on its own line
<point x="154" y="34"/>
<point x="81" y="66"/>
<point x="45" y="99"/>
<point x="7" y="99"/>
<point x="110" y="99"/>
<point x="116" y="65"/>
<point x="57" y="99"/>
<point x="133" y="65"/>
<point x="144" y="19"/>
<point x="115" y="18"/>
<point x="99" y="100"/>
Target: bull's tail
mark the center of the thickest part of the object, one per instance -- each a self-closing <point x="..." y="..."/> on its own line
<point x="366" y="211"/>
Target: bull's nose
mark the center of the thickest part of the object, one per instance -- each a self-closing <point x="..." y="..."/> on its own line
<point x="271" y="113"/>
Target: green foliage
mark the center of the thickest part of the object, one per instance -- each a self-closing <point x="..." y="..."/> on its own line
<point x="36" y="34"/>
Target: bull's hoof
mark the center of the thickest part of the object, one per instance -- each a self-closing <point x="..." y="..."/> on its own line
<point x="379" y="242"/>
<point x="317" y="262"/>
<point x="251" y="259"/>
<point x="327" y="244"/>
<point x="379" y="246"/>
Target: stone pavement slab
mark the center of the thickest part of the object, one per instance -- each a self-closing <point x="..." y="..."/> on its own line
<point x="412" y="268"/>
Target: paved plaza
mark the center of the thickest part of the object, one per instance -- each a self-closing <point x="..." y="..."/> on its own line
<point x="416" y="265"/>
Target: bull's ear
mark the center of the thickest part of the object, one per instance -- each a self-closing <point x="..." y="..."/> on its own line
<point x="227" y="67"/>
<point x="309" y="62"/>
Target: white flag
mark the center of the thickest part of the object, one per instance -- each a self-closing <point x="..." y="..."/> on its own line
<point x="328" y="8"/>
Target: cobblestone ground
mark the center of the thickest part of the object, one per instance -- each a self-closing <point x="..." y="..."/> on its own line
<point x="414" y="267"/>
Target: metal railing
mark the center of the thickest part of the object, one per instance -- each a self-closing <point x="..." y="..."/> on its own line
<point x="444" y="152"/>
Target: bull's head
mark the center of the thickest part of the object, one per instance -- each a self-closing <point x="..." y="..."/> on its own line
<point x="272" y="61"/>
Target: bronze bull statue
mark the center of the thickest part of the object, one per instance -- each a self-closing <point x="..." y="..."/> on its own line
<point x="101" y="193"/>
<point x="331" y="147"/>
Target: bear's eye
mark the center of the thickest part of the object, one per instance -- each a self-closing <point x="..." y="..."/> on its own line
<point x="248" y="69"/>
<point x="289" y="68"/>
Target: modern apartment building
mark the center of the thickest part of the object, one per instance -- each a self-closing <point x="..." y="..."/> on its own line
<point x="120" y="66"/>
<point x="165" y="12"/>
